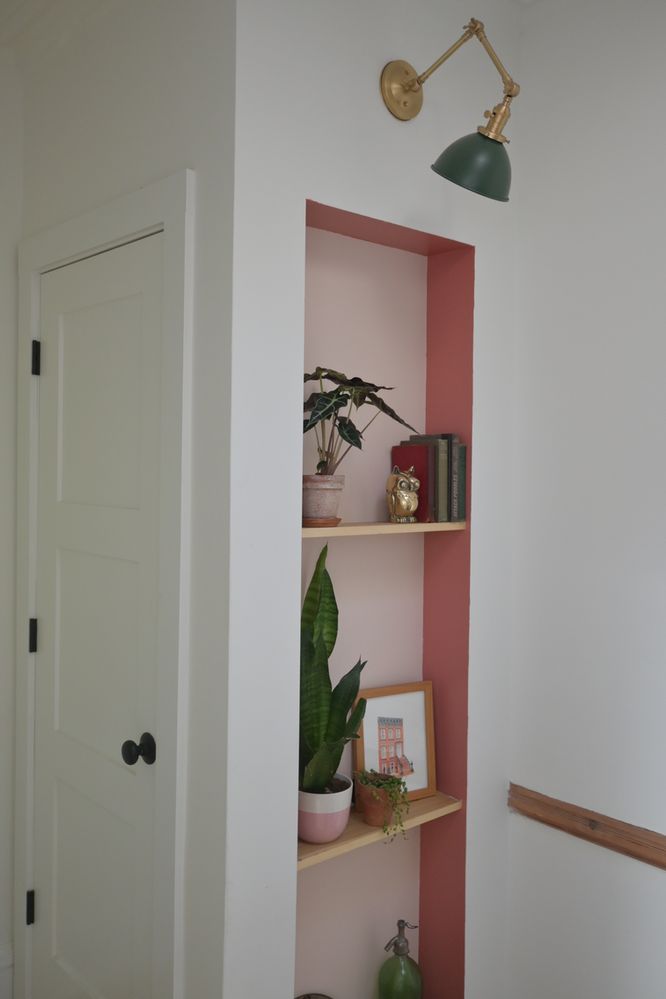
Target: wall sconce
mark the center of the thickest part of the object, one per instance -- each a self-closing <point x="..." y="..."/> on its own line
<point x="478" y="161"/>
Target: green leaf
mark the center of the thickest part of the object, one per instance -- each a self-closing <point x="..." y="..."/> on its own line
<point x="342" y="700"/>
<point x="320" y="610"/>
<point x="355" y="719"/>
<point x="358" y="397"/>
<point x="326" y="621"/>
<point x="349" y="433"/>
<point x="322" y="767"/>
<point x="378" y="403"/>
<point x="313" y="592"/>
<point x="338" y="378"/>
<point x="325" y="406"/>
<point x="327" y="373"/>
<point x="315" y="699"/>
<point x="318" y="771"/>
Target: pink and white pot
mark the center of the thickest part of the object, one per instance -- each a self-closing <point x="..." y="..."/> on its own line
<point x="324" y="817"/>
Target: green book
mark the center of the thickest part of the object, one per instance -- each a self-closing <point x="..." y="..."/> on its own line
<point x="442" y="499"/>
<point x="458" y="481"/>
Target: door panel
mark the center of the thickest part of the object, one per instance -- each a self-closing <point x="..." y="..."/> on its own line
<point x="96" y="662"/>
<point x="100" y="363"/>
<point x="82" y="826"/>
<point x="97" y="674"/>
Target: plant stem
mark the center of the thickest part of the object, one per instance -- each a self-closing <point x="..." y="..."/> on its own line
<point x="340" y="442"/>
<point x="323" y="456"/>
<point x="316" y="430"/>
<point x="329" y="445"/>
<point x="370" y="421"/>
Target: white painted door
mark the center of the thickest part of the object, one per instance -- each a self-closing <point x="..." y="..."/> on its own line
<point x="97" y="675"/>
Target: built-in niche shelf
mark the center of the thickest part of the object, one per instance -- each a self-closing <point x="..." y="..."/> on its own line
<point x="374" y="291"/>
<point x="358" y="834"/>
<point x="366" y="530"/>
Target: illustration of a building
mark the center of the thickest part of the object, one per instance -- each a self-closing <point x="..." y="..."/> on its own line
<point x="391" y="747"/>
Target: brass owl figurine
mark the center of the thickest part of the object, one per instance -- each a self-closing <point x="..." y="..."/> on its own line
<point x="402" y="496"/>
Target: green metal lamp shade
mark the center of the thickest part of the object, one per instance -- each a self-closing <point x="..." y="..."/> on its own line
<point x="477" y="163"/>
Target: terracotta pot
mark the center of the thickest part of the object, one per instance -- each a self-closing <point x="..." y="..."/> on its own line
<point x="374" y="805"/>
<point x="321" y="499"/>
<point x="324" y="817"/>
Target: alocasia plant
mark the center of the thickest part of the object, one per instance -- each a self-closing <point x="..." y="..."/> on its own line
<point x="329" y="413"/>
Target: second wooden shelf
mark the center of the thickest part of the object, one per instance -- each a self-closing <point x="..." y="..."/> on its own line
<point x="358" y="834"/>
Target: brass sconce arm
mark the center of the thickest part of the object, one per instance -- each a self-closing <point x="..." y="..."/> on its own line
<point x="511" y="88"/>
<point x="402" y="87"/>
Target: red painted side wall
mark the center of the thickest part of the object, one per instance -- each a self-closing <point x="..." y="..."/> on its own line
<point x="446" y="629"/>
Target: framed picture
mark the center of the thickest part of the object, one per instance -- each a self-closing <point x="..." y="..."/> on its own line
<point x="397" y="735"/>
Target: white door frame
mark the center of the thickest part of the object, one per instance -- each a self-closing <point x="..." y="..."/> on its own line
<point x="168" y="207"/>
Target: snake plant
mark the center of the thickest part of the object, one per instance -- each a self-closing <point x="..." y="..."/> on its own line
<point x="329" y="717"/>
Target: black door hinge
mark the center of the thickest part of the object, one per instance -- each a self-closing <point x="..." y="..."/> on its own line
<point x="36" y="367"/>
<point x="32" y="635"/>
<point x="29" y="908"/>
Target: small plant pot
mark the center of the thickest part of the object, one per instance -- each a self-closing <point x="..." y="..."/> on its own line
<point x="374" y="805"/>
<point x="324" y="817"/>
<point x="321" y="500"/>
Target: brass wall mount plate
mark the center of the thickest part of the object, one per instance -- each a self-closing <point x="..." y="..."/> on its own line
<point x="403" y="104"/>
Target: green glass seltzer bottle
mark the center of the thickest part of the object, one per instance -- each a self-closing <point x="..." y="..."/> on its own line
<point x="400" y="977"/>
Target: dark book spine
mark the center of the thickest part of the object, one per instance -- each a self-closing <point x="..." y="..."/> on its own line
<point x="462" y="482"/>
<point x="455" y="458"/>
<point x="442" y="491"/>
<point x="458" y="481"/>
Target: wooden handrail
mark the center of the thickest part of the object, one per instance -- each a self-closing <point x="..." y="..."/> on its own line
<point x="633" y="841"/>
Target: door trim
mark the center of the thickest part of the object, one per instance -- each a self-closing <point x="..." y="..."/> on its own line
<point x="168" y="207"/>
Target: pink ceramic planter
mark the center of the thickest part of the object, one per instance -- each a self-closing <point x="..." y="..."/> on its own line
<point x="324" y="817"/>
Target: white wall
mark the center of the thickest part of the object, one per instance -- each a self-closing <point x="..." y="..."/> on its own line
<point x="589" y="683"/>
<point x="10" y="207"/>
<point x="119" y="94"/>
<point x="310" y="123"/>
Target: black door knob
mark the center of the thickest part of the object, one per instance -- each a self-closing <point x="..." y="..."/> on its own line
<point x="146" y="748"/>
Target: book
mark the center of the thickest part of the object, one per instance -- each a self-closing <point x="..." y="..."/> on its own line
<point x="442" y="481"/>
<point x="459" y="481"/>
<point x="443" y="444"/>
<point x="422" y="458"/>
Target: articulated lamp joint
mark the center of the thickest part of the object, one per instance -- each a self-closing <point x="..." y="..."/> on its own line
<point x="497" y="119"/>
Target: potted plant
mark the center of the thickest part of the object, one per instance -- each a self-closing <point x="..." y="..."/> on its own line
<point x="332" y="413"/>
<point x="329" y="717"/>
<point x="383" y="800"/>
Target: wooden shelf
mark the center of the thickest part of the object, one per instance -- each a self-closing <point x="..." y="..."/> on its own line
<point x="358" y="834"/>
<point x="365" y="530"/>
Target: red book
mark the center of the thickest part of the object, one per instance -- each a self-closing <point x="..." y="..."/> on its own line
<point x="422" y="458"/>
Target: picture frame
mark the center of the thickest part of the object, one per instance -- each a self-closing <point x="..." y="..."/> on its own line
<point x="397" y="735"/>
